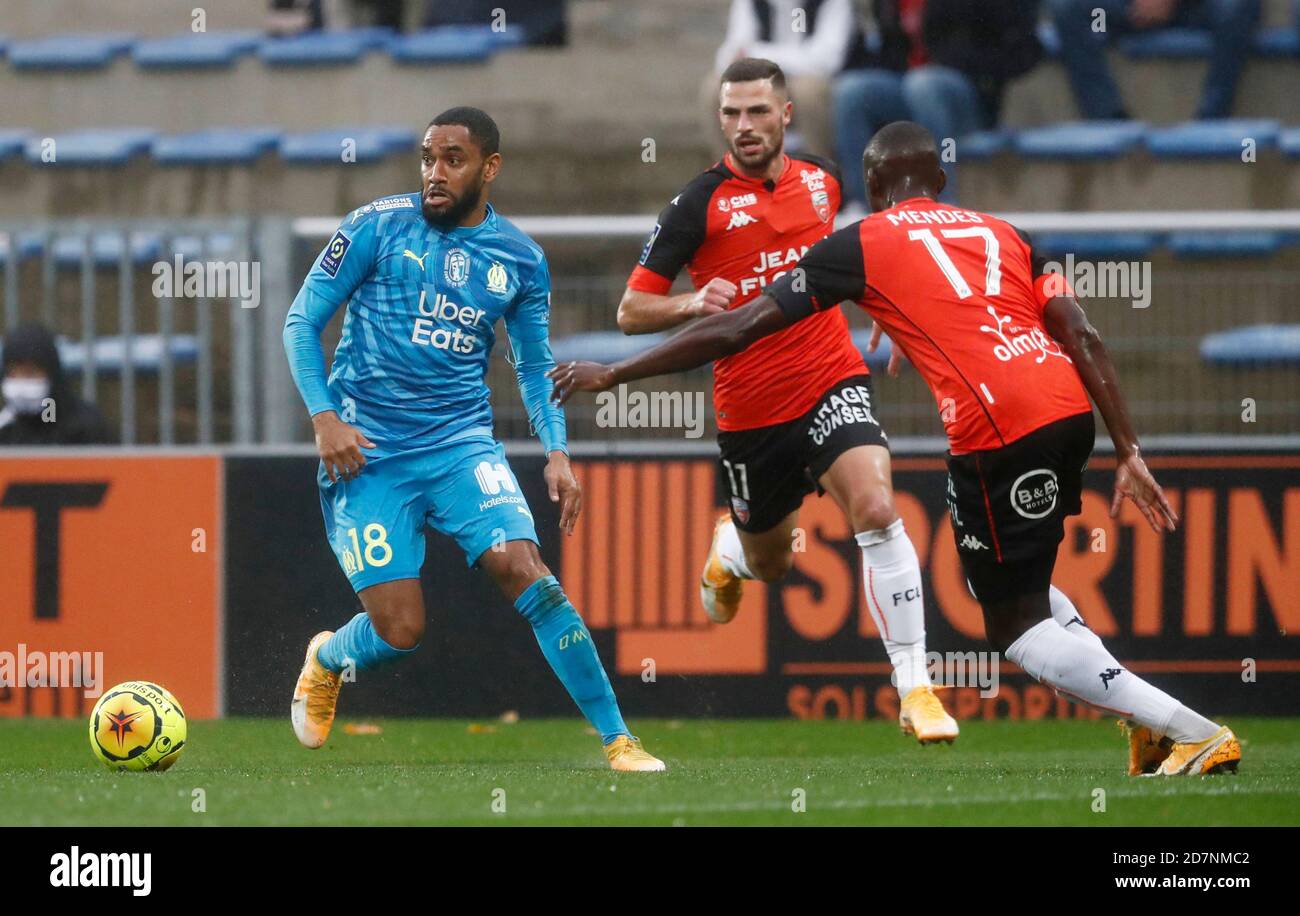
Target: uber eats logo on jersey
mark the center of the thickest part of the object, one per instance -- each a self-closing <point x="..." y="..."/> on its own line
<point x="428" y="332"/>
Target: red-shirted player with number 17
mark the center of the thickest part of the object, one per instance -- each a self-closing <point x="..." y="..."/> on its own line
<point x="1011" y="358"/>
<point x="794" y="410"/>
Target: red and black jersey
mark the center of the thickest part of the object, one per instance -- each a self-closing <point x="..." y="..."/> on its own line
<point x="750" y="232"/>
<point x="957" y="290"/>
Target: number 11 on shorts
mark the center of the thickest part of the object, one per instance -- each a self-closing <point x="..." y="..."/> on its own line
<point x="734" y="472"/>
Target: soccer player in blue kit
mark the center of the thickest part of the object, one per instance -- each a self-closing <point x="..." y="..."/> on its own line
<point x="404" y="424"/>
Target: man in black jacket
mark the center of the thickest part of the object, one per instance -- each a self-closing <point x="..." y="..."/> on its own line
<point x="39" y="406"/>
<point x="942" y="63"/>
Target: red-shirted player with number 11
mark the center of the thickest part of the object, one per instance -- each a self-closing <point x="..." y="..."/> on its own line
<point x="794" y="410"/>
<point x="1008" y="354"/>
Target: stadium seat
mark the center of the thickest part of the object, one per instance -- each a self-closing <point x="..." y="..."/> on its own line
<point x="878" y="360"/>
<point x="1254" y="346"/>
<point x="1278" y="41"/>
<point x="984" y="143"/>
<point x="4" y="44"/>
<point x="604" y="346"/>
<point x="216" y="146"/>
<point x="1168" y="43"/>
<point x="321" y="146"/>
<point x="1225" y="244"/>
<point x="110" y="352"/>
<point x="1206" y="139"/>
<point x="1080" y="140"/>
<point x="1048" y="38"/>
<point x="12" y="142"/>
<point x="69" y="52"/>
<point x="191" y="50"/>
<point x="1090" y="245"/>
<point x="1288" y="141"/>
<point x="322" y="48"/>
<point x="28" y="245"/>
<point x="99" y="146"/>
<point x="106" y="249"/>
<point x="447" y="44"/>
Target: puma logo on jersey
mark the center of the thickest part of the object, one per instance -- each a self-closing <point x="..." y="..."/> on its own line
<point x="408" y="253"/>
<point x="740" y="218"/>
<point x="970" y="542"/>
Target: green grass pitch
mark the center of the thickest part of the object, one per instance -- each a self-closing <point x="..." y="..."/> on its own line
<point x="421" y="771"/>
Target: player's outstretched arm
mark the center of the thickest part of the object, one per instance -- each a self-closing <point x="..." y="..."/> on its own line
<point x="703" y="342"/>
<point x="1065" y="320"/>
<point x="642" y="312"/>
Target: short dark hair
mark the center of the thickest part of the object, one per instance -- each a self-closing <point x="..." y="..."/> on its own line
<point x="482" y="129"/>
<point x="747" y="69"/>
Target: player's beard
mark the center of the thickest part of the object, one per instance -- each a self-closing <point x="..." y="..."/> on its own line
<point x="457" y="210"/>
<point x="757" y="162"/>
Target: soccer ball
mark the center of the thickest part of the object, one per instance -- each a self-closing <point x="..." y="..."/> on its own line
<point x="137" y="726"/>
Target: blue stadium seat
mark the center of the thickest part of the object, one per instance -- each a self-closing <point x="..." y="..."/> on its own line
<point x="984" y="143"/>
<point x="216" y="146"/>
<point x="878" y="360"/>
<point x="1278" y="41"/>
<point x="106" y="249"/>
<point x="189" y="50"/>
<point x="110" y="353"/>
<point x="321" y="48"/>
<point x="446" y="44"/>
<point x="27" y="245"/>
<point x="1048" y="38"/>
<point x="12" y="142"/>
<point x="1080" y="140"/>
<point x="69" y="52"/>
<point x="4" y="44"/>
<point x="326" y="146"/>
<point x="1170" y="43"/>
<point x="605" y="346"/>
<point x="1206" y="139"/>
<point x="98" y="146"/>
<point x="1255" y="346"/>
<point x="1090" y="245"/>
<point x="1289" y="141"/>
<point x="1225" y="244"/>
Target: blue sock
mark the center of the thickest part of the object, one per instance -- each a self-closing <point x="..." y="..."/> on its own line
<point x="357" y="640"/>
<point x="567" y="645"/>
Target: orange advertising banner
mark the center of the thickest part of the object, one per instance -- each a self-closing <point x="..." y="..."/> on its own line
<point x="109" y="571"/>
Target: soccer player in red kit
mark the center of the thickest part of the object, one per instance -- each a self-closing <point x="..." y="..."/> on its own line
<point x="1011" y="359"/>
<point x="794" y="410"/>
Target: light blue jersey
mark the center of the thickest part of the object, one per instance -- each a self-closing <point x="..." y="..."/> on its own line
<point x="410" y="369"/>
<point x="409" y="373"/>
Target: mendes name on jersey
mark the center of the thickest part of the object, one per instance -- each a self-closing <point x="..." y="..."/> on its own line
<point x="419" y="328"/>
<point x="750" y="232"/>
<point x="956" y="290"/>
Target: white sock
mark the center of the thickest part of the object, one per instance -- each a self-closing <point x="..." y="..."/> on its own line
<point x="1067" y="615"/>
<point x="891" y="578"/>
<point x="731" y="552"/>
<point x="1086" y="673"/>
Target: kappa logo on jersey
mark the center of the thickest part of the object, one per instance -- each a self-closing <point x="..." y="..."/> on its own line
<point x="1109" y="675"/>
<point x="335" y="252"/>
<point x="970" y="542"/>
<point x="498" y="281"/>
<point x="455" y="267"/>
<point x="741" y="218"/>
<point x="1021" y="340"/>
<point x="650" y="241"/>
<point x="493" y="478"/>
<point x="1033" y="495"/>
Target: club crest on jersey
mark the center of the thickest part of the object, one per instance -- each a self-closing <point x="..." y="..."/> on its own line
<point x="821" y="202"/>
<point x="335" y="252"/>
<point x="498" y="281"/>
<point x="455" y="267"/>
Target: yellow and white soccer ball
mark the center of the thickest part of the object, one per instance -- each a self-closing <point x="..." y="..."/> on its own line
<point x="137" y="726"/>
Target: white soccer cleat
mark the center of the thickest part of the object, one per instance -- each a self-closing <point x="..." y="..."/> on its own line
<point x="720" y="589"/>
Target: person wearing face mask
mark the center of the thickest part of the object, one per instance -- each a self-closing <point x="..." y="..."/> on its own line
<point x="38" y="407"/>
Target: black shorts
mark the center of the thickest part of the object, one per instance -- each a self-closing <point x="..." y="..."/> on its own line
<point x="769" y="470"/>
<point x="1009" y="506"/>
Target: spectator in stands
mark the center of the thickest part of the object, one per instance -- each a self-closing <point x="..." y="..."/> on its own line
<point x="811" y="40"/>
<point x="1083" y="33"/>
<point x="942" y="63"/>
<point x="39" y="406"/>
<point x="289" y="17"/>
<point x="543" y="21"/>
